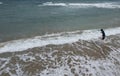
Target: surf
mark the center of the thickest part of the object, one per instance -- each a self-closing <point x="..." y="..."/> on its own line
<point x="110" y="5"/>
<point x="55" y="39"/>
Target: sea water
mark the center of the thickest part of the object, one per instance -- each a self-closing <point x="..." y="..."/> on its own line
<point x="59" y="38"/>
<point x="24" y="18"/>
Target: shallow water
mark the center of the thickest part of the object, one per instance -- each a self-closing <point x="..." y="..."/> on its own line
<point x="81" y="58"/>
<point x="59" y="38"/>
<point x="55" y="39"/>
<point x="63" y="54"/>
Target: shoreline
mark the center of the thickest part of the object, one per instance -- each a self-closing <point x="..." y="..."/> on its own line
<point x="79" y="58"/>
<point x="55" y="39"/>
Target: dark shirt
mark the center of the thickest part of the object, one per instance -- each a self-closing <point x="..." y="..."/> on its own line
<point x="103" y="34"/>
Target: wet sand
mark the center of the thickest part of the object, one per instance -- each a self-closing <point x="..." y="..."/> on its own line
<point x="86" y="58"/>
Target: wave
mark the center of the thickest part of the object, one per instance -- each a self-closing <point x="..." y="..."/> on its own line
<point x="54" y="4"/>
<point x="83" y="5"/>
<point x="55" y="39"/>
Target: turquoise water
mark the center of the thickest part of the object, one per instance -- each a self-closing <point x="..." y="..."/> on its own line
<point x="59" y="38"/>
<point x="21" y="19"/>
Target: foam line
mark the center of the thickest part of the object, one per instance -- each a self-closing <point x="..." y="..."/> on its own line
<point x="83" y="5"/>
<point x="53" y="4"/>
<point x="56" y="39"/>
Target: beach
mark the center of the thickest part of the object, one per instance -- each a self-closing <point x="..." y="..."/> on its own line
<point x="86" y="58"/>
<point x="59" y="38"/>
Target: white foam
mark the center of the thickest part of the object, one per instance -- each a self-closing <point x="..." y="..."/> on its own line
<point x="56" y="39"/>
<point x="83" y="5"/>
<point x="99" y="67"/>
<point x="19" y="71"/>
<point x="26" y="57"/>
<point x="53" y="4"/>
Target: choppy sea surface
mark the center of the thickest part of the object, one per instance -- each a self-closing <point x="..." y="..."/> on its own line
<point x="59" y="38"/>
